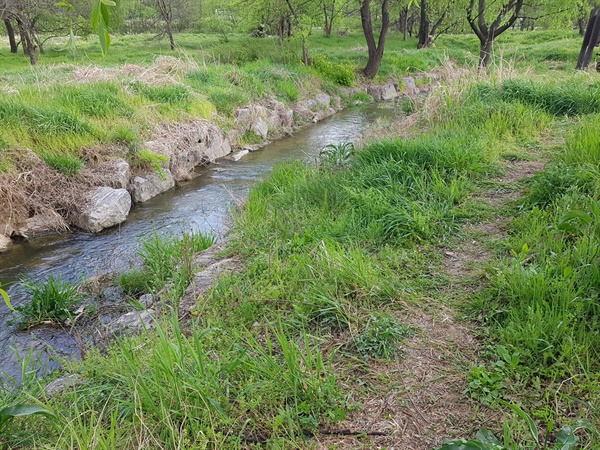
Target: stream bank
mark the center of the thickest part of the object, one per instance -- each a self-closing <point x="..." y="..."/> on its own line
<point x="42" y="200"/>
<point x="202" y="203"/>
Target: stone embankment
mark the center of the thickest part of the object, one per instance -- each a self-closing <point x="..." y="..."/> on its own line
<point x="110" y="188"/>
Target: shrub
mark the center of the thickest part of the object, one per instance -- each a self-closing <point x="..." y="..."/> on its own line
<point x="168" y="93"/>
<point x="340" y="73"/>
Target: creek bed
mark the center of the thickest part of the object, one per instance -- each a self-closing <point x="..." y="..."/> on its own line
<point x="203" y="203"/>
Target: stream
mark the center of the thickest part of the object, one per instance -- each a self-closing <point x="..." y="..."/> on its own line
<point x="203" y="203"/>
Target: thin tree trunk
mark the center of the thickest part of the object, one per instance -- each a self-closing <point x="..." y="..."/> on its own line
<point x="485" y="52"/>
<point x="170" y="33"/>
<point x="27" y="42"/>
<point x="375" y="50"/>
<point x="11" y="36"/>
<point x="423" y="27"/>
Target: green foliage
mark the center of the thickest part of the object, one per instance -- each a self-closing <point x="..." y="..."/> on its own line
<point x="147" y="158"/>
<point x="288" y="90"/>
<point x="6" y="298"/>
<point x="174" y="94"/>
<point x="166" y="260"/>
<point x="337" y="154"/>
<point x="380" y="337"/>
<point x="95" y="100"/>
<point x="340" y="73"/>
<point x="51" y="300"/>
<point x="65" y="163"/>
<point x="9" y="413"/>
<point x="566" y="438"/>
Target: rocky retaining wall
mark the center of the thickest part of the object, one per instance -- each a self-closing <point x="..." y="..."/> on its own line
<point x="115" y="186"/>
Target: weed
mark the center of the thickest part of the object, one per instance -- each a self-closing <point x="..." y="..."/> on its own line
<point x="380" y="337"/>
<point x="147" y="158"/>
<point x="175" y="94"/>
<point x="51" y="300"/>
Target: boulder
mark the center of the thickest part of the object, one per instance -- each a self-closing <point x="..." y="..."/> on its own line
<point x="260" y="128"/>
<point x="146" y="300"/>
<point x="323" y="114"/>
<point x="286" y="118"/>
<point x="114" y="174"/>
<point x="133" y="322"/>
<point x="46" y="220"/>
<point x="63" y="384"/>
<point x="389" y="92"/>
<point x="243" y="117"/>
<point x="239" y="155"/>
<point x="410" y="88"/>
<point x="144" y="188"/>
<point x="188" y="145"/>
<point x="103" y="207"/>
<point x="323" y="100"/>
<point x="4" y="243"/>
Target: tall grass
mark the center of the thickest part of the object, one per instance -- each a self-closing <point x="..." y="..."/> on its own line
<point x="546" y="296"/>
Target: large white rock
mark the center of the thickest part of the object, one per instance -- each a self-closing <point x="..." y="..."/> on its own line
<point x="103" y="207"/>
<point x="144" y="188"/>
<point x="114" y="173"/>
<point x="4" y="243"/>
<point x="383" y="92"/>
<point x="323" y="99"/>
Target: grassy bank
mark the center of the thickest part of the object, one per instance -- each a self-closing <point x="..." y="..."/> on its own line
<point x="78" y="107"/>
<point x="343" y="288"/>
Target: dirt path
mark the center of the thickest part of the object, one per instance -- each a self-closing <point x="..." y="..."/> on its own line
<point x="419" y="400"/>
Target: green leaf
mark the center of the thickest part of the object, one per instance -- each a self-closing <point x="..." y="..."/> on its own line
<point x="219" y="408"/>
<point x="463" y="444"/>
<point x="487" y="437"/>
<point x="105" y="15"/>
<point x="6" y="299"/>
<point x="566" y="439"/>
<point x="23" y="410"/>
<point x="95" y="16"/>
<point x="109" y="3"/>
<point x="530" y="423"/>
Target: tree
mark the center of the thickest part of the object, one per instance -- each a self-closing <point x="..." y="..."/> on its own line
<point x="504" y="17"/>
<point x="375" y="49"/>
<point x="11" y="36"/>
<point x="435" y="19"/>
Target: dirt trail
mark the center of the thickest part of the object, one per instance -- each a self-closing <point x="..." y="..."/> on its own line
<point x="418" y="401"/>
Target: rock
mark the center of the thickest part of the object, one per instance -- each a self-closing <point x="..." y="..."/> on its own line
<point x="4" y="243"/>
<point x="260" y="128"/>
<point x="114" y="174"/>
<point x="48" y="220"/>
<point x="133" y="322"/>
<point x="323" y="99"/>
<point x="389" y="91"/>
<point x="375" y="92"/>
<point x="243" y="117"/>
<point x="103" y="207"/>
<point x="146" y="300"/>
<point x="62" y="384"/>
<point x="144" y="188"/>
<point x="337" y="102"/>
<point x="323" y="114"/>
<point x="239" y="155"/>
<point x="411" y="88"/>
<point x="188" y="145"/>
<point x="286" y="118"/>
<point x="202" y="283"/>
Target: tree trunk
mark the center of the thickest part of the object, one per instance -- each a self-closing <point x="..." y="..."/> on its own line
<point x="375" y="50"/>
<point x="328" y="21"/>
<point x="27" y="41"/>
<point x="485" y="52"/>
<point x="404" y="22"/>
<point x="424" y="25"/>
<point x="170" y="33"/>
<point x="305" y="58"/>
<point x="590" y="40"/>
<point x="11" y="36"/>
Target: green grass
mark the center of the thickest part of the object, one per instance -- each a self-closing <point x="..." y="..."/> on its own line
<point x="51" y="300"/>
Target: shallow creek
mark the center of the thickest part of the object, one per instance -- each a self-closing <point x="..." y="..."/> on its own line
<point x="203" y="203"/>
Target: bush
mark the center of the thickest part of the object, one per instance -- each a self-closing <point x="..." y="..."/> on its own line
<point x="340" y="73"/>
<point x="63" y="162"/>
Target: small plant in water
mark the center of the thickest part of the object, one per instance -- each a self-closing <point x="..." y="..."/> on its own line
<point x="51" y="301"/>
<point x="337" y="154"/>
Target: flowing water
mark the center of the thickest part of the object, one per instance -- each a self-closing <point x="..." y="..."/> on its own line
<point x="203" y="203"/>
